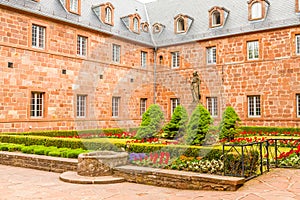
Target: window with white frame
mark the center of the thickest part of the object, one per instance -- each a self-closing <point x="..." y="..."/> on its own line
<point x="216" y="18"/>
<point x="74" y="5"/>
<point x="81" y="106"/>
<point x="116" y="53"/>
<point x="38" y="36"/>
<point x="252" y="50"/>
<point x="211" y="55"/>
<point x="212" y="106"/>
<point x="135" y="24"/>
<point x="174" y="103"/>
<point x="175" y="59"/>
<point x="115" y="106"/>
<point x="180" y="25"/>
<point x="297" y="44"/>
<point x="144" y="59"/>
<point x="37" y="104"/>
<point x="298" y="104"/>
<point x="107" y="15"/>
<point x="254" y="106"/>
<point x="81" y="45"/>
<point x="143" y="106"/>
<point x="256" y="10"/>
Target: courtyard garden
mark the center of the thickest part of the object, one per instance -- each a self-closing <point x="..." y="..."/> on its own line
<point x="183" y="143"/>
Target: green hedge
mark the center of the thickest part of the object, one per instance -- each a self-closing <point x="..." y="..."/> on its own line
<point x="263" y="129"/>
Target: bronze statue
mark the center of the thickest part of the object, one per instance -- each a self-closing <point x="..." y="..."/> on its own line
<point x="195" y="87"/>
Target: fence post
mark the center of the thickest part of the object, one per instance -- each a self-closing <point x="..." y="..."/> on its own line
<point x="261" y="158"/>
<point x="224" y="167"/>
<point x="276" y="164"/>
<point x="268" y="161"/>
<point x="243" y="166"/>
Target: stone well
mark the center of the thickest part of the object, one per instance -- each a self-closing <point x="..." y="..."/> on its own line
<point x="100" y="163"/>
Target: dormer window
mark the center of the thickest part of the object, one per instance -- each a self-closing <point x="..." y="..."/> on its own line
<point x="132" y="22"/>
<point x="145" y="26"/>
<point x="73" y="6"/>
<point x="182" y="23"/>
<point x="105" y="13"/>
<point x="135" y="24"/>
<point x="156" y="28"/>
<point x="257" y="9"/>
<point x="297" y="6"/>
<point x="108" y="15"/>
<point x="217" y="16"/>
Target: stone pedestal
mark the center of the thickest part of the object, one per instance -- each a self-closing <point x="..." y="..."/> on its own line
<point x="100" y="163"/>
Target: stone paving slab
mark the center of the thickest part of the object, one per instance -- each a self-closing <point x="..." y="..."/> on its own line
<point x="24" y="184"/>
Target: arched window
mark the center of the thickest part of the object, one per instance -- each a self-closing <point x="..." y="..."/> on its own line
<point x="180" y="25"/>
<point x="107" y="15"/>
<point x="135" y="24"/>
<point x="216" y="18"/>
<point x="256" y="10"/>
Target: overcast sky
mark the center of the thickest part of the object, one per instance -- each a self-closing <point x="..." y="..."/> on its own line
<point x="145" y="1"/>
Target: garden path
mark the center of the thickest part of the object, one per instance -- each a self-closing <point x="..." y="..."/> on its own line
<point x="21" y="183"/>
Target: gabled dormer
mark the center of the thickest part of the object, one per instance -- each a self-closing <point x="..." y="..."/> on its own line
<point x="297" y="6"/>
<point x="132" y="22"/>
<point x="157" y="28"/>
<point x="217" y="16"/>
<point x="257" y="9"/>
<point x="105" y="13"/>
<point x="72" y="6"/>
<point x="182" y="23"/>
<point x="145" y="27"/>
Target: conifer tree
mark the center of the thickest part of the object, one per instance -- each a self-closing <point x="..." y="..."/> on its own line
<point x="229" y="124"/>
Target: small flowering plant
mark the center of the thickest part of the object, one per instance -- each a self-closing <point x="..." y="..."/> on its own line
<point x="158" y="160"/>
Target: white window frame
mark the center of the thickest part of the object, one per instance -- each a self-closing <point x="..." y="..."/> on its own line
<point x="175" y="60"/>
<point x="214" y="18"/>
<point x="298" y="104"/>
<point x="143" y="105"/>
<point x="74" y="4"/>
<point x="135" y="24"/>
<point x="174" y="103"/>
<point x="81" y="106"/>
<point x="82" y="45"/>
<point x="297" y="41"/>
<point x="108" y="14"/>
<point x="254" y="106"/>
<point x="144" y="56"/>
<point x="116" y="57"/>
<point x="212" y="106"/>
<point x="115" y="106"/>
<point x="180" y="25"/>
<point x="211" y="53"/>
<point x="38" y="36"/>
<point x="253" y="50"/>
<point x="256" y="10"/>
<point x="37" y="105"/>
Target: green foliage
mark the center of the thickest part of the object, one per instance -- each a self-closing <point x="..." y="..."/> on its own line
<point x="151" y="122"/>
<point x="198" y="126"/>
<point x="178" y="124"/>
<point x="229" y="124"/>
<point x="262" y="130"/>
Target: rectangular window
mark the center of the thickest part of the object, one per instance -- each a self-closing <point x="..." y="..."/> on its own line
<point x="81" y="106"/>
<point x="298" y="44"/>
<point x="175" y="59"/>
<point x="143" y="59"/>
<point x="81" y="45"/>
<point x="74" y="6"/>
<point x="212" y="106"/>
<point x="252" y="50"/>
<point x="211" y="55"/>
<point x="298" y="105"/>
<point x="116" y="53"/>
<point x="174" y="103"/>
<point x="37" y="104"/>
<point x="143" y="106"/>
<point x="254" y="106"/>
<point x="115" y="106"/>
<point x="38" y="36"/>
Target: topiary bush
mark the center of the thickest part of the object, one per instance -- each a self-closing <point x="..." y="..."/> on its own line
<point x="178" y="124"/>
<point x="229" y="125"/>
<point x="198" y="125"/>
<point x="152" y="121"/>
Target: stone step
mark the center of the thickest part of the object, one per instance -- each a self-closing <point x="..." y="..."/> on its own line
<point x="73" y="177"/>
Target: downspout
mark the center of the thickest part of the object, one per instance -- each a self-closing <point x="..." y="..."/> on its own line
<point x="155" y="55"/>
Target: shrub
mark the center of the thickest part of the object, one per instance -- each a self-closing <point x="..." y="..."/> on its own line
<point x="151" y="122"/>
<point x="55" y="153"/>
<point x="178" y="124"/>
<point x="198" y="126"/>
<point x="229" y="124"/>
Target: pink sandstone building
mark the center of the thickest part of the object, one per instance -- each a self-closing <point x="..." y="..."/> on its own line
<point x="89" y="64"/>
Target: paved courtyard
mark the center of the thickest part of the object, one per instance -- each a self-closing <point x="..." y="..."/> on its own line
<point x="21" y="183"/>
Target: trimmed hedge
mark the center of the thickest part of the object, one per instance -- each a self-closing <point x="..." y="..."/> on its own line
<point x="280" y="130"/>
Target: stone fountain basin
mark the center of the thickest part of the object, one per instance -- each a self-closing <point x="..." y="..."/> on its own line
<point x="100" y="163"/>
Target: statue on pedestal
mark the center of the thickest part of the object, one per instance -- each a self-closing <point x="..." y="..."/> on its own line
<point x="195" y="87"/>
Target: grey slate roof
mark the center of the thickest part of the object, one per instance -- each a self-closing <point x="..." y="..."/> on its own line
<point x="281" y="13"/>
